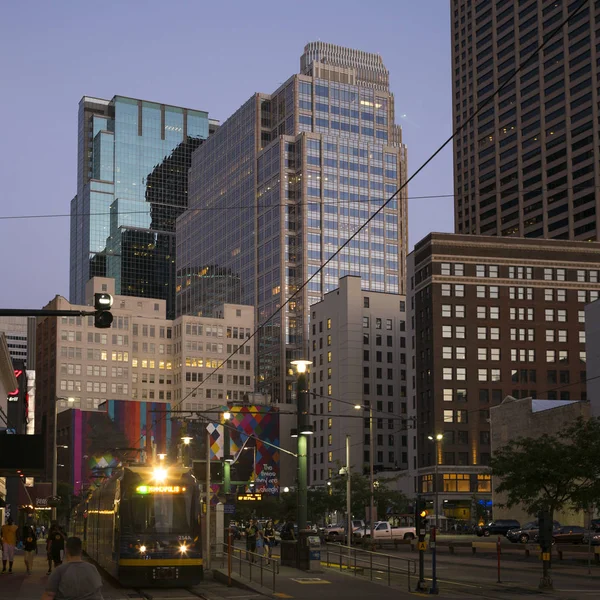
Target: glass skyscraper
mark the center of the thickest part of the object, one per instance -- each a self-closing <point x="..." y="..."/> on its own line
<point x="132" y="166"/>
<point x="286" y="180"/>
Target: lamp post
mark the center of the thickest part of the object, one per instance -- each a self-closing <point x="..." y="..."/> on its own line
<point x="371" y="463"/>
<point x="304" y="429"/>
<point x="438" y="440"/>
<point x="227" y="458"/>
<point x="55" y="452"/>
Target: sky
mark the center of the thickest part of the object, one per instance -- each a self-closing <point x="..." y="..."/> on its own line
<point x="199" y="54"/>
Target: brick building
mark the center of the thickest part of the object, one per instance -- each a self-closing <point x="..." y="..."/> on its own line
<point x="489" y="317"/>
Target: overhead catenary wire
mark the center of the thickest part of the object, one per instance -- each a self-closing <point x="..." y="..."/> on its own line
<point x="518" y="194"/>
<point x="482" y="105"/>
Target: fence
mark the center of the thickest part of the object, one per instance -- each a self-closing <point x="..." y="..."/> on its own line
<point x="360" y="560"/>
<point x="251" y="565"/>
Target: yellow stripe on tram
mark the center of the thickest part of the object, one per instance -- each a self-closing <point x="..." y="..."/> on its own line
<point x="161" y="562"/>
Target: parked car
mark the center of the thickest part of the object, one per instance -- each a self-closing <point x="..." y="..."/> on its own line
<point x="528" y="532"/>
<point x="337" y="533"/>
<point x="595" y="538"/>
<point x="384" y="531"/>
<point x="498" y="527"/>
<point x="568" y="534"/>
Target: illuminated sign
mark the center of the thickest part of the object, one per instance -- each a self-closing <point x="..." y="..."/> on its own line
<point x="12" y="395"/>
<point x="159" y="489"/>
<point x="249" y="497"/>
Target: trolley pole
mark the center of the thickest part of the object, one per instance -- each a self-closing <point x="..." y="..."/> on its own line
<point x="348" y="498"/>
<point x="207" y="559"/>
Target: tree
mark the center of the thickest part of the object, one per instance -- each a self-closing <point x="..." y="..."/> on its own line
<point x="386" y="498"/>
<point x="551" y="472"/>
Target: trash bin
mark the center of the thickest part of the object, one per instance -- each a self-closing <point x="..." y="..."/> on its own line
<point x="309" y="551"/>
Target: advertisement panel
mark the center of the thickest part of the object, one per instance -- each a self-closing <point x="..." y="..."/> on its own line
<point x="254" y="444"/>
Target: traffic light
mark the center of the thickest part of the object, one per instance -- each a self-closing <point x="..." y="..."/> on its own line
<point x="545" y="530"/>
<point x="102" y="303"/>
<point x="420" y="516"/>
<point x="423" y="520"/>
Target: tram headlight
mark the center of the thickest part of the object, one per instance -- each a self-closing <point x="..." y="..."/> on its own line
<point x="183" y="548"/>
<point x="142" y="549"/>
<point x="160" y="475"/>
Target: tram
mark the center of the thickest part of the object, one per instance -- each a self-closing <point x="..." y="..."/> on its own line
<point x="142" y="525"/>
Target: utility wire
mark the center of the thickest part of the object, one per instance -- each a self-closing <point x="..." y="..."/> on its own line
<point x="519" y="194"/>
<point x="471" y="118"/>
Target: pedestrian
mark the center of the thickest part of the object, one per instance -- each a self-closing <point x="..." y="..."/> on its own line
<point x="55" y="545"/>
<point x="29" y="538"/>
<point x="269" y="539"/>
<point x="75" y="579"/>
<point x="8" y="533"/>
<point x="251" y="533"/>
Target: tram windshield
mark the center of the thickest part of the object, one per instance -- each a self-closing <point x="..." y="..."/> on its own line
<point x="161" y="513"/>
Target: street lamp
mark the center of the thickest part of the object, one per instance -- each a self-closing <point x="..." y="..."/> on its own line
<point x="55" y="451"/>
<point x="371" y="461"/>
<point x="438" y="440"/>
<point x="304" y="429"/>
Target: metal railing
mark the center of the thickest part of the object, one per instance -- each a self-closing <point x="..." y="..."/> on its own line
<point x="357" y="559"/>
<point x="244" y="562"/>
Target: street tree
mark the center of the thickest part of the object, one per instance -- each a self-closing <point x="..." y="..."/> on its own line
<point x="387" y="500"/>
<point x="551" y="473"/>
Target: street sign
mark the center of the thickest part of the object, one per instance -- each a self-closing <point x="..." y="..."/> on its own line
<point x="545" y="555"/>
<point x="422" y="545"/>
<point x="229" y="509"/>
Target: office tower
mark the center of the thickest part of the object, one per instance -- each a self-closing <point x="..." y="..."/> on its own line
<point x="529" y="163"/>
<point x="132" y="165"/>
<point x="286" y="180"/>
<point x="20" y="337"/>
<point x="490" y="317"/>
<point x="142" y="357"/>
<point x="358" y="351"/>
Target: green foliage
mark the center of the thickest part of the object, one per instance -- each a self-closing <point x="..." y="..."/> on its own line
<point x="551" y="472"/>
<point x="385" y="497"/>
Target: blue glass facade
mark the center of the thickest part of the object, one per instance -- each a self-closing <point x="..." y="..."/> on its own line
<point x="294" y="174"/>
<point x="133" y="161"/>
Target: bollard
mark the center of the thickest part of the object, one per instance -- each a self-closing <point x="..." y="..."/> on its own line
<point x="432" y="535"/>
<point x="498" y="553"/>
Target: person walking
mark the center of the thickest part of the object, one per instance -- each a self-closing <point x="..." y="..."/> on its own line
<point x="269" y="539"/>
<point x="251" y="533"/>
<point x="29" y="538"/>
<point x="75" y="579"/>
<point x="8" y="533"/>
<point x="55" y="545"/>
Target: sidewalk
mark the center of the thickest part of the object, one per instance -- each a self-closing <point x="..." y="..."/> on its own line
<point x="20" y="586"/>
<point x="294" y="584"/>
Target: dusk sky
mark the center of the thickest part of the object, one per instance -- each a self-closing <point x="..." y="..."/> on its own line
<point x="206" y="55"/>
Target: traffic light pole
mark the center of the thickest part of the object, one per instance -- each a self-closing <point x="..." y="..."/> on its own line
<point x="421" y="537"/>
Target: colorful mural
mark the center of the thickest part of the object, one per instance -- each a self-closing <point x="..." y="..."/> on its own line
<point x="126" y="429"/>
<point x="256" y="461"/>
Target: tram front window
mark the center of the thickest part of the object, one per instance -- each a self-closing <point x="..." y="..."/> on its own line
<point x="160" y="513"/>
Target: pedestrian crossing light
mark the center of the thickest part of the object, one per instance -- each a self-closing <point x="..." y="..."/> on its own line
<point x="102" y="304"/>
